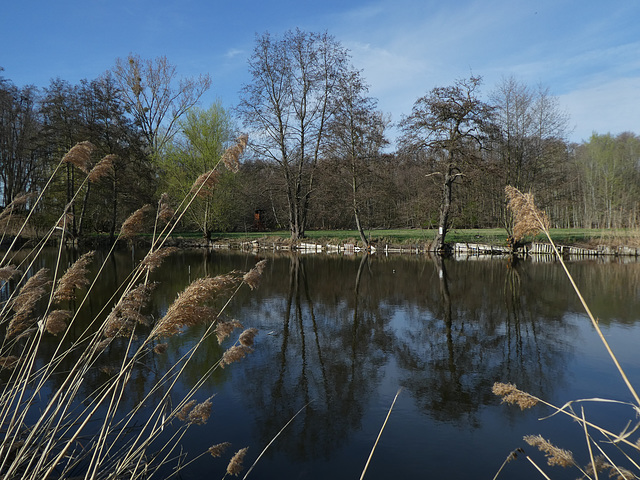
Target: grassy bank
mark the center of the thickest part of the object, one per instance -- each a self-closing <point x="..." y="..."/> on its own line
<point x="495" y="236"/>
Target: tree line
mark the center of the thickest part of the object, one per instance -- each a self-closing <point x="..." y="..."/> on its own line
<point x="318" y="153"/>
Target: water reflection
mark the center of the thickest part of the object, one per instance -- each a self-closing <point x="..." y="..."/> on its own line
<point x="339" y="333"/>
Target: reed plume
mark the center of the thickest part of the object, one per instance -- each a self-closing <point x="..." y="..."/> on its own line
<point x="25" y="302"/>
<point x="128" y="312"/>
<point x="183" y="413"/>
<point x="252" y="277"/>
<point x="103" y="168"/>
<point x="224" y="328"/>
<point x="9" y="362"/>
<point x="165" y="211"/>
<point x="155" y="259"/>
<point x="218" y="449"/>
<point x="510" y="394"/>
<point x="135" y="223"/>
<point x="74" y="278"/>
<point x="555" y="455"/>
<point x="200" y="413"/>
<point x="190" y="307"/>
<point x="56" y="321"/>
<point x="8" y="272"/>
<point x="234" y="354"/>
<point x="529" y="220"/>
<point x="80" y="155"/>
<point x="205" y="183"/>
<point x="16" y="203"/>
<point x="246" y="337"/>
<point x="231" y="157"/>
<point x="235" y="464"/>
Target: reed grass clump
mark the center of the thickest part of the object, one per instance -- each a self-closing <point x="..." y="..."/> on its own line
<point x="529" y="220"/>
<point x="52" y="427"/>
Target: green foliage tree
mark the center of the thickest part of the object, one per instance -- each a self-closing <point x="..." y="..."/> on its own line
<point x="203" y="136"/>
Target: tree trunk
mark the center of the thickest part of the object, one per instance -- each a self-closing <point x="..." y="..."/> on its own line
<point x="439" y="242"/>
<point x="356" y="213"/>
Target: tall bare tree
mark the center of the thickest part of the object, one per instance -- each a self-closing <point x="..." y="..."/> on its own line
<point x="287" y="107"/>
<point x="155" y="97"/>
<point x="450" y="123"/>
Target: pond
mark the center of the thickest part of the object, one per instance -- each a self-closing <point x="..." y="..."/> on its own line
<point x="339" y="336"/>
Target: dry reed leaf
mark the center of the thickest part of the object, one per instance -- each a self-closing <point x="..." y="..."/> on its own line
<point x="154" y="259"/>
<point x="25" y="302"/>
<point x="246" y="337"/>
<point x="235" y="464"/>
<point x="8" y="272"/>
<point x="510" y="394"/>
<point x="555" y="455"/>
<point x="74" y="278"/>
<point x="189" y="308"/>
<point x="529" y="220"/>
<point x="225" y="328"/>
<point x="200" y="413"/>
<point x="80" y="155"/>
<point x="56" y="321"/>
<point x="252" y="277"/>
<point x="135" y="223"/>
<point x="218" y="449"/>
<point x="234" y="354"/>
<point x="103" y="168"/>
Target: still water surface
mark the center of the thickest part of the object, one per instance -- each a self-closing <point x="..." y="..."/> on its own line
<point x="341" y="334"/>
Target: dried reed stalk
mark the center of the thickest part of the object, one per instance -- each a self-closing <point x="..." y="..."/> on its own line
<point x="80" y="155"/>
<point x="74" y="278"/>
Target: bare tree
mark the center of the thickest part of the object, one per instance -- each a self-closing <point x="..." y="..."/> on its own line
<point x="450" y="123"/>
<point x="155" y="97"/>
<point x="288" y="104"/>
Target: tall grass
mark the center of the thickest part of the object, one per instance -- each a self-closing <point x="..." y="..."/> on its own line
<point x="65" y="432"/>
<point x="611" y="454"/>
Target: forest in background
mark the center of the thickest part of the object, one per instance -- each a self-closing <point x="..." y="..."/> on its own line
<point x="319" y="153"/>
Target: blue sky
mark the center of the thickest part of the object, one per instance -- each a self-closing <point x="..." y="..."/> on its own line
<point x="586" y="52"/>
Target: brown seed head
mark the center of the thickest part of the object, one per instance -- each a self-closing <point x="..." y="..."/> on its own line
<point x="246" y="337"/>
<point x="231" y="157"/>
<point x="8" y="272"/>
<point x="234" y="354"/>
<point x="103" y="168"/>
<point x="529" y="220"/>
<point x="135" y="223"/>
<point x="225" y="328"/>
<point x="80" y="155"/>
<point x="128" y="312"/>
<point x="219" y="449"/>
<point x="555" y="455"/>
<point x="252" y="277"/>
<point x="154" y="259"/>
<point x="205" y="183"/>
<point x="165" y="211"/>
<point x="183" y="414"/>
<point x="200" y="413"/>
<point x="25" y="302"/>
<point x="510" y="394"/>
<point x="75" y="277"/>
<point x="160" y="348"/>
<point x="235" y="465"/>
<point x="56" y="321"/>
